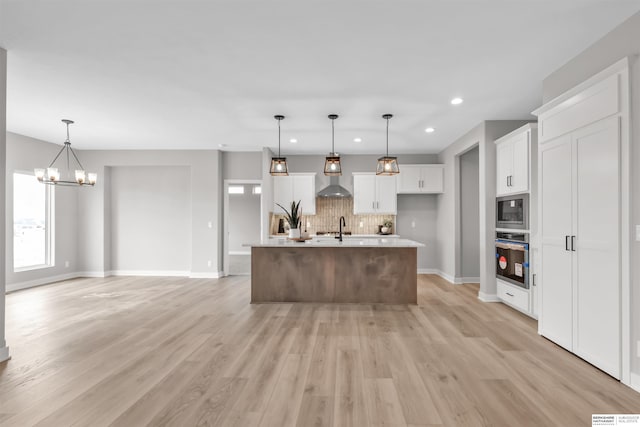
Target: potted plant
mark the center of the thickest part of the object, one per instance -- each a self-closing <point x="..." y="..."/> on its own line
<point x="293" y="218"/>
<point x="386" y="226"/>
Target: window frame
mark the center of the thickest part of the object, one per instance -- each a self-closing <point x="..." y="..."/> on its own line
<point x="49" y="225"/>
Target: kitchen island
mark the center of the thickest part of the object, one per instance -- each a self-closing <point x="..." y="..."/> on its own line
<point x="356" y="270"/>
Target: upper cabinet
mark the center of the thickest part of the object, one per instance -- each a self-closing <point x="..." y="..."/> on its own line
<point x="374" y="194"/>
<point x="421" y="179"/>
<point x="512" y="161"/>
<point x="296" y="186"/>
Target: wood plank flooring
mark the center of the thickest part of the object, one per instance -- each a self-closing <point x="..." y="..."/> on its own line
<point x="128" y="351"/>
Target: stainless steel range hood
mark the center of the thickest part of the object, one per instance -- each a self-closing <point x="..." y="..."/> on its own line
<point x="334" y="189"/>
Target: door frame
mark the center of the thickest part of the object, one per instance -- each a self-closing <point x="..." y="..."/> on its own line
<point x="225" y="218"/>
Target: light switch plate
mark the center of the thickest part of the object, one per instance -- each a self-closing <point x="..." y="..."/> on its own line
<point x="638" y="233"/>
<point x="638" y="348"/>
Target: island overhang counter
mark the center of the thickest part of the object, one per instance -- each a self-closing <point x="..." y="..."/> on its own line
<point x="352" y="271"/>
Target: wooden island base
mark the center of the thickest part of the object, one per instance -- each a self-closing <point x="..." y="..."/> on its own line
<point x="385" y="275"/>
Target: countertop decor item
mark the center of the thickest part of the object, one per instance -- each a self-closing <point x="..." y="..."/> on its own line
<point x="292" y="216"/>
<point x="51" y="175"/>
<point x="279" y="164"/>
<point x="387" y="165"/>
<point x="332" y="166"/>
<point x="386" y="227"/>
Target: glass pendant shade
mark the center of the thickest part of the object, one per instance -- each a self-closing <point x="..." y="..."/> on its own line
<point x="387" y="166"/>
<point x="332" y="166"/>
<point x="80" y="176"/>
<point x="279" y="164"/>
<point x="39" y="173"/>
<point x="53" y="174"/>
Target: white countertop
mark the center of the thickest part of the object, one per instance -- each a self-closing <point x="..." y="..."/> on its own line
<point x="359" y="242"/>
<point x="344" y="236"/>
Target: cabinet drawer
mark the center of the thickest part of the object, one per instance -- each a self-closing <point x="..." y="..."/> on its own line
<point x="515" y="296"/>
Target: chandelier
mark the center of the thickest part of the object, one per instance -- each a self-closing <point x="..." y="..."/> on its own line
<point x="51" y="175"/>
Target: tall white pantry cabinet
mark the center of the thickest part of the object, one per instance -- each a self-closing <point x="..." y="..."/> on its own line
<point x="581" y="177"/>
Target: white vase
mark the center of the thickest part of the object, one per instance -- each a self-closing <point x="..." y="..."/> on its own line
<point x="384" y="230"/>
<point x="294" y="233"/>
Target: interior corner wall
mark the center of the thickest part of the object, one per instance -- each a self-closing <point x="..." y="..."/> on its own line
<point x="205" y="216"/>
<point x="470" y="213"/>
<point x="621" y="42"/>
<point x="23" y="155"/>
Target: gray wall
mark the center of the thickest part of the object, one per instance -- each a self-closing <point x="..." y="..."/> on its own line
<point x="205" y="191"/>
<point x="421" y="211"/>
<point x="4" y="351"/>
<point x="470" y="213"/>
<point x="622" y="41"/>
<point x="23" y="155"/>
<point x="244" y="219"/>
<point x="150" y="217"/>
<point x="241" y="165"/>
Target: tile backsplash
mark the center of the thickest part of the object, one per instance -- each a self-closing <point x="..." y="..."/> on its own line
<point x="329" y="211"/>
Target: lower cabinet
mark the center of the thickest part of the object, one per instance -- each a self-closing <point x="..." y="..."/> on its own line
<point x="514" y="296"/>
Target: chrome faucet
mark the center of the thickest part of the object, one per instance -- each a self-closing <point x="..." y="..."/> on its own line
<point x="340" y="224"/>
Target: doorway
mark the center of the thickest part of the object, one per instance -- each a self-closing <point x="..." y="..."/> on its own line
<point x="470" y="216"/>
<point x="242" y="224"/>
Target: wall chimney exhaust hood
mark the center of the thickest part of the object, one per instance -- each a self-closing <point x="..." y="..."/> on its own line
<point x="334" y="189"/>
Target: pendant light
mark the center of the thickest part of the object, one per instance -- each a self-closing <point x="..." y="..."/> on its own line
<point x="387" y="165"/>
<point x="332" y="166"/>
<point x="279" y="164"/>
<point x="51" y="175"/>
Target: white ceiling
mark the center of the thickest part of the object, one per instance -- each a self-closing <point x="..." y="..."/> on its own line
<point x="197" y="74"/>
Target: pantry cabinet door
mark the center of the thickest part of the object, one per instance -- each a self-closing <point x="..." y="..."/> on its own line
<point x="504" y="164"/>
<point x="519" y="181"/>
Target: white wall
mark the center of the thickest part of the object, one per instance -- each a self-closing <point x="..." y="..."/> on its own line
<point x="622" y="41"/>
<point x="23" y="155"/>
<point x="205" y="191"/>
<point x="241" y="165"/>
<point x="244" y="219"/>
<point x="150" y="217"/>
<point x="4" y="350"/>
<point x="470" y="213"/>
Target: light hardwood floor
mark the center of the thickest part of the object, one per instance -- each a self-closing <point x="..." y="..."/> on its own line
<point x="169" y="351"/>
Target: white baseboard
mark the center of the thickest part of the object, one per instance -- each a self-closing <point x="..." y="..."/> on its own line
<point x="206" y="275"/>
<point x="239" y="252"/>
<point x="39" y="282"/>
<point x="635" y="382"/>
<point x="92" y="274"/>
<point x="470" y="279"/>
<point x="158" y="273"/>
<point x="445" y="276"/>
<point x="484" y="297"/>
<point x="428" y="271"/>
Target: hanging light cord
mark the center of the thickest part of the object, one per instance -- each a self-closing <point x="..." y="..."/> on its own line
<point x="333" y="135"/>
<point x="279" y="137"/>
<point x="387" y="137"/>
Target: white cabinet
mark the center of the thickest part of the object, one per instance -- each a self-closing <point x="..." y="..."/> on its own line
<point x="580" y="243"/>
<point x="513" y="295"/>
<point x="512" y="160"/>
<point x="296" y="187"/>
<point x="374" y="194"/>
<point x="417" y="179"/>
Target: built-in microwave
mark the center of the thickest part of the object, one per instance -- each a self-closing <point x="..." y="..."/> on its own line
<point x="512" y="212"/>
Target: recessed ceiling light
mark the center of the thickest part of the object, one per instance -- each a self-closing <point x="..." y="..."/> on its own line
<point x="430" y="130"/>
<point x="457" y="101"/>
<point x="293" y="140"/>
<point x="357" y="139"/>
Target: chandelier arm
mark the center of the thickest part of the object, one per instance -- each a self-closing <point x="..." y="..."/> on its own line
<point x="58" y="155"/>
<point x="76" y="157"/>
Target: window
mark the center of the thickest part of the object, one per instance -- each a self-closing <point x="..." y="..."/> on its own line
<point x="257" y="189"/>
<point x="32" y="231"/>
<point x="236" y="189"/>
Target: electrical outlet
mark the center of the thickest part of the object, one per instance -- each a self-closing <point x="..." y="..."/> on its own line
<point x="361" y="224"/>
<point x="66" y="264"/>
<point x="209" y="263"/>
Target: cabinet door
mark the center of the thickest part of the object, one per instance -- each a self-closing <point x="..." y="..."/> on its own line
<point x="282" y="193"/>
<point x="520" y="170"/>
<point x="386" y="192"/>
<point x="409" y="179"/>
<point x="504" y="163"/>
<point x="555" y="230"/>
<point x="433" y="179"/>
<point x="304" y="189"/>
<point x="364" y="194"/>
<point x="597" y="254"/>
